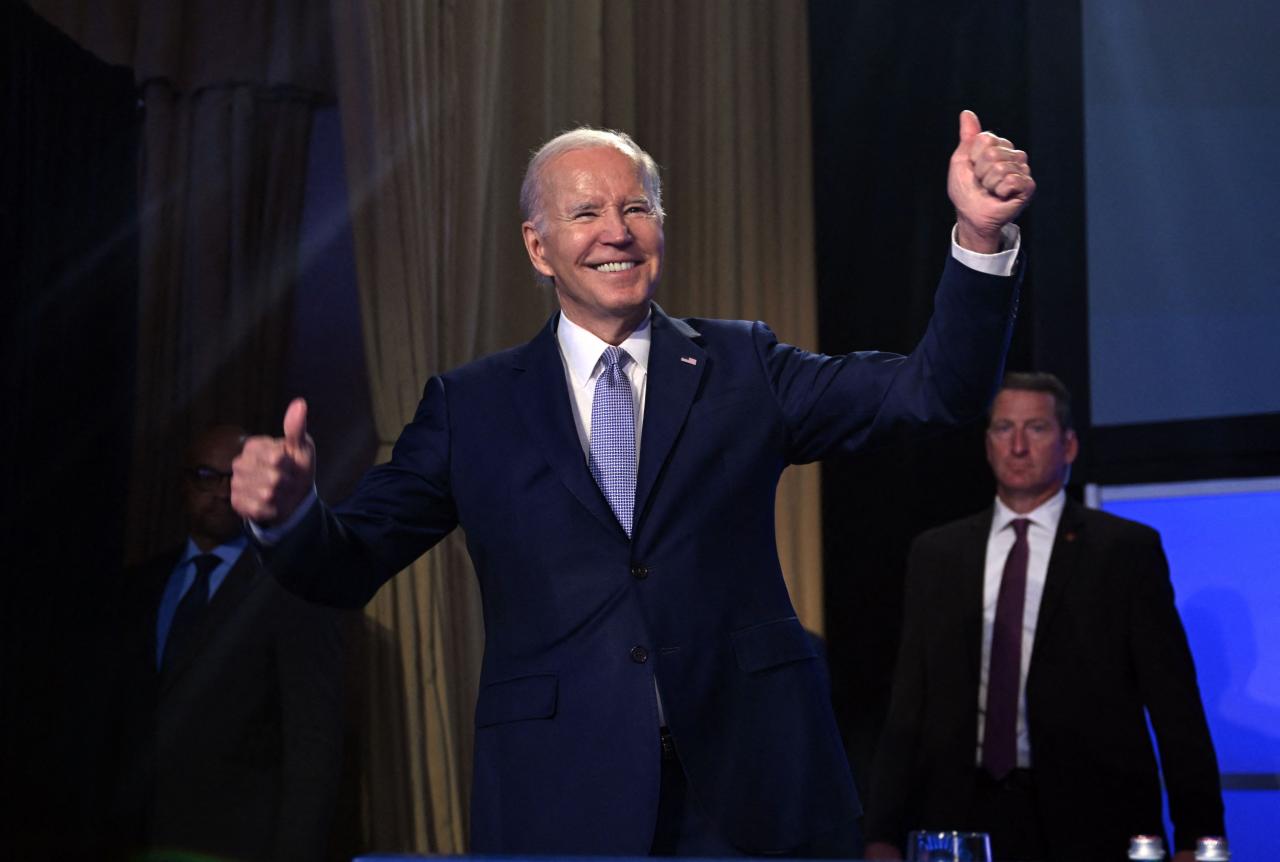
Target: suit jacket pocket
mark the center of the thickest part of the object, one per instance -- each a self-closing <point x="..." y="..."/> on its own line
<point x="770" y="644"/>
<point x="519" y="699"/>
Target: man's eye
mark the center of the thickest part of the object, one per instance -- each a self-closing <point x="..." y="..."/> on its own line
<point x="639" y="209"/>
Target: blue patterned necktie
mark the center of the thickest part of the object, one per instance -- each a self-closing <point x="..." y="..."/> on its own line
<point x="613" y="436"/>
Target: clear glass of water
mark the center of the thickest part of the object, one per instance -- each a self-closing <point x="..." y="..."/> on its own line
<point x="924" y="846"/>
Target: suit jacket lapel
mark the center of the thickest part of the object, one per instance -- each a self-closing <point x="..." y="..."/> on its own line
<point x="676" y="365"/>
<point x="543" y="399"/>
<point x="231" y="595"/>
<point x="1063" y="562"/>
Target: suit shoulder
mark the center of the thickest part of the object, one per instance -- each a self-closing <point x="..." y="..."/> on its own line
<point x="740" y="337"/>
<point x="483" y="367"/>
<point x="713" y="333"/>
<point x="952" y="532"/>
<point x="717" y="326"/>
<point x="1113" y="526"/>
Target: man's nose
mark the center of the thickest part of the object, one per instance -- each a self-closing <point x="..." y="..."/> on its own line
<point x="614" y="229"/>
<point x="1018" y="440"/>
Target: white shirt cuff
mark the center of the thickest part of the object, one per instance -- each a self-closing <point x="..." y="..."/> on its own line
<point x="268" y="536"/>
<point x="1001" y="263"/>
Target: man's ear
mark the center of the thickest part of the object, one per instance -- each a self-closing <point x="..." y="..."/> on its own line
<point x="1071" y="445"/>
<point x="534" y="246"/>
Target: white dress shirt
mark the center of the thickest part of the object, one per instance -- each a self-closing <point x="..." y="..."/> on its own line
<point x="581" y="353"/>
<point x="1040" y="534"/>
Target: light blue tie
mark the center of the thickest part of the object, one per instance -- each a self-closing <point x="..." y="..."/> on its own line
<point x="613" y="436"/>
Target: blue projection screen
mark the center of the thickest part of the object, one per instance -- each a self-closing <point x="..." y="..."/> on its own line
<point x="1182" y="116"/>
<point x="1223" y="543"/>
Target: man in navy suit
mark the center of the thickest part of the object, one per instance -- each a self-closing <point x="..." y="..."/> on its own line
<point x="229" y="708"/>
<point x="646" y="686"/>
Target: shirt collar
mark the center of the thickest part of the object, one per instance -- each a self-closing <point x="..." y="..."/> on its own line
<point x="1046" y="515"/>
<point x="226" y="551"/>
<point x="581" y="349"/>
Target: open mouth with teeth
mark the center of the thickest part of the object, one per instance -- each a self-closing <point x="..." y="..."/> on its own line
<point x="616" y="266"/>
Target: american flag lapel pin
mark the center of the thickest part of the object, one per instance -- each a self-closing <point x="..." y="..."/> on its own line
<point x="688" y="360"/>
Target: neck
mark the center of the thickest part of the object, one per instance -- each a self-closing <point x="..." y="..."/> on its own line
<point x="1024" y="502"/>
<point x="610" y="330"/>
<point x="204" y="543"/>
<point x="207" y="543"/>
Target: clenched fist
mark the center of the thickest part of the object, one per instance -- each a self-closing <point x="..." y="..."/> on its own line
<point x="273" y="475"/>
<point x="989" y="183"/>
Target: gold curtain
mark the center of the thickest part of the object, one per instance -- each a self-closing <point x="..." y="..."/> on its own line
<point x="416" y="98"/>
<point x="722" y="102"/>
<point x="442" y="103"/>
<point x="222" y="180"/>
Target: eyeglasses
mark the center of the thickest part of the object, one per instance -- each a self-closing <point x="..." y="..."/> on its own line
<point x="207" y="478"/>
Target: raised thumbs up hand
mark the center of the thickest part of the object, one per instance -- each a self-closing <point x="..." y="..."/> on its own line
<point x="989" y="183"/>
<point x="273" y="475"/>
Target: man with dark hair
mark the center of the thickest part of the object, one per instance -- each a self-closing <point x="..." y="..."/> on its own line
<point x="1040" y="381"/>
<point x="646" y="686"/>
<point x="1038" y="637"/>
<point x="233" y="719"/>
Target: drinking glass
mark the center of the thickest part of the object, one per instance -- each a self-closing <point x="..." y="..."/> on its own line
<point x="924" y="846"/>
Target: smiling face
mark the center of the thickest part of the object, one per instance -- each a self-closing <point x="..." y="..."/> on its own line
<point x="599" y="240"/>
<point x="1028" y="450"/>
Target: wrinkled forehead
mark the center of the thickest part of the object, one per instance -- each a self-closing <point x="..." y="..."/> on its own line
<point x="217" y="447"/>
<point x="1024" y="404"/>
<point x="599" y="170"/>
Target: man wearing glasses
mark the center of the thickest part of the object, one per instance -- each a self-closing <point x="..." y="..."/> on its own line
<point x="233" y="723"/>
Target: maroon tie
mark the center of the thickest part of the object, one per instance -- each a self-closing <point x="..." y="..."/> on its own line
<point x="1000" y="732"/>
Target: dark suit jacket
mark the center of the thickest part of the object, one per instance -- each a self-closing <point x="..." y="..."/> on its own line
<point x="237" y="750"/>
<point x="1109" y="649"/>
<point x="579" y="620"/>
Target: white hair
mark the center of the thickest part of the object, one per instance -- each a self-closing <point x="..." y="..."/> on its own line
<point x="585" y="138"/>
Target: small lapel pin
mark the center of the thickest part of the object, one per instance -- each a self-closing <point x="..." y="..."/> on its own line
<point x="688" y="360"/>
<point x="1070" y="537"/>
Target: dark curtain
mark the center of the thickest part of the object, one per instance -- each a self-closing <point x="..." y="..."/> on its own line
<point x="68" y="264"/>
<point x="889" y="80"/>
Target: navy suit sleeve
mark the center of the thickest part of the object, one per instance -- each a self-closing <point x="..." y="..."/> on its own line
<point x="842" y="403"/>
<point x="397" y="513"/>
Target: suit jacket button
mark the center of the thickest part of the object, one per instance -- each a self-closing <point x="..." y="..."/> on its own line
<point x="639" y="654"/>
<point x="639" y="572"/>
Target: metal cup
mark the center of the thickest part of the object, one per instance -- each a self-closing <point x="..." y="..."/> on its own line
<point x="1213" y="849"/>
<point x="1146" y="847"/>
